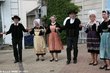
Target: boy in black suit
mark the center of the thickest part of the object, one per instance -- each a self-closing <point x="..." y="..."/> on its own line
<point x="16" y="30"/>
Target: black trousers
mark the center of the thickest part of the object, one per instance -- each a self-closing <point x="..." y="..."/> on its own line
<point x="17" y="49"/>
<point x="72" y="43"/>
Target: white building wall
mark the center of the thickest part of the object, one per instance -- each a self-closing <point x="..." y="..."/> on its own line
<point x="15" y="7"/>
<point x="25" y="7"/>
<point x="87" y="5"/>
<point x="6" y="19"/>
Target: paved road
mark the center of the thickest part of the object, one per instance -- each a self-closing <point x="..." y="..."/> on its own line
<point x="29" y="64"/>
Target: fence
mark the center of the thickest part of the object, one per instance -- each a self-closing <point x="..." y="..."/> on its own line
<point x="82" y="36"/>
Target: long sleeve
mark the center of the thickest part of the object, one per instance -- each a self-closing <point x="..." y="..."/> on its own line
<point x="99" y="29"/>
<point x="65" y="26"/>
<point x="32" y="31"/>
<point x="80" y="28"/>
<point x="24" y="28"/>
<point x="43" y="29"/>
<point x="48" y="29"/>
<point x="10" y="30"/>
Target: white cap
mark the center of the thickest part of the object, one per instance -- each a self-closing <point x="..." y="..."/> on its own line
<point x="90" y="12"/>
<point x="36" y="21"/>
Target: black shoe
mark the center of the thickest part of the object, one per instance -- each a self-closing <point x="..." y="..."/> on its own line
<point x="91" y="63"/>
<point x="42" y="59"/>
<point x="16" y="61"/>
<point x="67" y="62"/>
<point x="56" y="60"/>
<point x="75" y="61"/>
<point x="37" y="59"/>
<point x="103" y="67"/>
<point x="52" y="60"/>
<point x="94" y="64"/>
<point x="107" y="68"/>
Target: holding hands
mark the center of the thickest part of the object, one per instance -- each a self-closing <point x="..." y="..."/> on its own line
<point x="108" y="26"/>
<point x="29" y="29"/>
<point x="1" y="33"/>
<point x="81" y="25"/>
<point x="57" y="28"/>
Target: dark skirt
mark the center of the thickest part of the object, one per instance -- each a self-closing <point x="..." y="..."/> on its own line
<point x="41" y="54"/>
<point x="93" y="42"/>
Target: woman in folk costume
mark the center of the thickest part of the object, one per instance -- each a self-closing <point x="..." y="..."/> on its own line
<point x="54" y="42"/>
<point x="104" y="29"/>
<point x="39" y="42"/>
<point x="93" y="37"/>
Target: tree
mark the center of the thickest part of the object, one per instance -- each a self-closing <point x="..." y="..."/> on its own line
<point x="60" y="8"/>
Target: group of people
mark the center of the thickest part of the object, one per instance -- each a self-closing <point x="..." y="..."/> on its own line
<point x="98" y="38"/>
<point x="72" y="27"/>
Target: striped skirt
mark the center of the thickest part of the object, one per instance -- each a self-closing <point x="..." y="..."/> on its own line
<point x="93" y="42"/>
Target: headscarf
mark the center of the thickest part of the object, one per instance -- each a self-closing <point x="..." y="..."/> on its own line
<point x="90" y="12"/>
<point x="36" y="22"/>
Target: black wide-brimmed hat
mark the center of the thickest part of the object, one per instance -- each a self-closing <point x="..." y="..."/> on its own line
<point x="16" y="17"/>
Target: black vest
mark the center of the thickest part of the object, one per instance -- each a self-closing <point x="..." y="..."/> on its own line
<point x="72" y="30"/>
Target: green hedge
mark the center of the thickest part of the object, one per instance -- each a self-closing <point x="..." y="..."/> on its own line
<point x="60" y="8"/>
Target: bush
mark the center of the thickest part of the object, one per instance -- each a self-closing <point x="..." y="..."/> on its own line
<point x="60" y="8"/>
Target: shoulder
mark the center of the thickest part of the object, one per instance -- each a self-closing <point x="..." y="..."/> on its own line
<point x="97" y="23"/>
<point x="12" y="25"/>
<point x="68" y="20"/>
<point x="109" y="21"/>
<point x="41" y="27"/>
<point x="102" y="23"/>
<point x="57" y="23"/>
<point x="65" y="20"/>
<point x="34" y="27"/>
<point x="77" y="19"/>
<point x="20" y="23"/>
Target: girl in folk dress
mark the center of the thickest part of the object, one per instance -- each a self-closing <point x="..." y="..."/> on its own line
<point x="93" y="37"/>
<point x="39" y="42"/>
<point x="54" y="42"/>
<point x="104" y="29"/>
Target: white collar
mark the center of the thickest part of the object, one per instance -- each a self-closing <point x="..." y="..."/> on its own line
<point x="95" y="22"/>
<point x="53" y="23"/>
<point x="72" y="20"/>
<point x="16" y="24"/>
